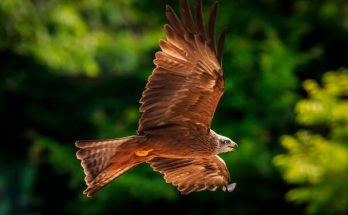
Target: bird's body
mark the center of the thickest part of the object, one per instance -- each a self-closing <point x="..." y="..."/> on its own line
<point x="178" y="105"/>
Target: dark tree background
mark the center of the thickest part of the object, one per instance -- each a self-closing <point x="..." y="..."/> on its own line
<point x="76" y="69"/>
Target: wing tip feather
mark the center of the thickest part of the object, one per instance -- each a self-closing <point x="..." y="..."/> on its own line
<point x="221" y="43"/>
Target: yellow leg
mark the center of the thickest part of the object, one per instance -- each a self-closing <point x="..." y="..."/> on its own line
<point x="143" y="153"/>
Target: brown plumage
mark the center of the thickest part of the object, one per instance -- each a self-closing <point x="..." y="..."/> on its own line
<point x="177" y="106"/>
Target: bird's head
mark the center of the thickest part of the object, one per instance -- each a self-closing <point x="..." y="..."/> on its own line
<point x="225" y="144"/>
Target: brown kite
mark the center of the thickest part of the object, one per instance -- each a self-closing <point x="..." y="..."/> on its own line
<point x="177" y="106"/>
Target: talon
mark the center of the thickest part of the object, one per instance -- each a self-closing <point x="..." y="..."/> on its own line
<point x="231" y="187"/>
<point x="143" y="153"/>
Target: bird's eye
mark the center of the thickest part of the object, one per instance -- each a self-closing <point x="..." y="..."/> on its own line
<point x="226" y="142"/>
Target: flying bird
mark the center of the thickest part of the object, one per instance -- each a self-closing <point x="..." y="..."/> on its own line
<point x="177" y="105"/>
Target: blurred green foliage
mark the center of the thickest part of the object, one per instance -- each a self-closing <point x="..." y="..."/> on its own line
<point x="76" y="37"/>
<point x="317" y="157"/>
<point x="76" y="69"/>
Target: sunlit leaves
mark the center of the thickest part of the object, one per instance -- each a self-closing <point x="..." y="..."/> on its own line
<point x="325" y="105"/>
<point x="317" y="158"/>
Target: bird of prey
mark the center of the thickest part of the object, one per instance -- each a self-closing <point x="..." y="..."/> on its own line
<point x="177" y="105"/>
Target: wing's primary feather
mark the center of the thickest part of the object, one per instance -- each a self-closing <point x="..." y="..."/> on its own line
<point x="200" y="19"/>
<point x="187" y="15"/>
<point x="211" y="27"/>
<point x="187" y="83"/>
<point x="174" y="20"/>
<point x="221" y="45"/>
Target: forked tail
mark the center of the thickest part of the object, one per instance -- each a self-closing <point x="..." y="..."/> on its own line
<point x="105" y="160"/>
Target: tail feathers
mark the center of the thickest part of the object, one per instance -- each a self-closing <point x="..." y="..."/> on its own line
<point x="98" y="160"/>
<point x="94" y="160"/>
<point x="105" y="178"/>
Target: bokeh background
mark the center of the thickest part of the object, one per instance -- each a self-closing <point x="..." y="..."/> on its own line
<point x="76" y="70"/>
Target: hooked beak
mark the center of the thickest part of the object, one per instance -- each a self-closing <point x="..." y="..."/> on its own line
<point x="233" y="146"/>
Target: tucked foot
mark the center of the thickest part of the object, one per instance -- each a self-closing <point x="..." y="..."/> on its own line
<point x="143" y="153"/>
<point x="231" y="187"/>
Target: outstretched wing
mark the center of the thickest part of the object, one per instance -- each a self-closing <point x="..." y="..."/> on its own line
<point x="194" y="174"/>
<point x="187" y="83"/>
